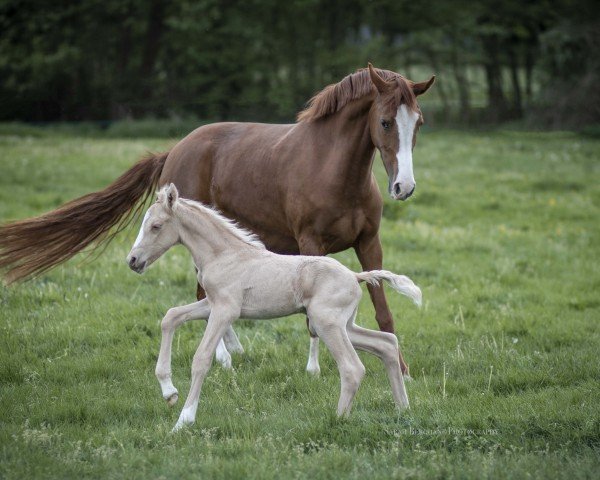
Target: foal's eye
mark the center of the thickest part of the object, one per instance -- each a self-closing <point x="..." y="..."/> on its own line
<point x="386" y="124"/>
<point x="155" y="228"/>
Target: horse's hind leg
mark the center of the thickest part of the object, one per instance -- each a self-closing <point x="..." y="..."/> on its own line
<point x="385" y="346"/>
<point x="333" y="332"/>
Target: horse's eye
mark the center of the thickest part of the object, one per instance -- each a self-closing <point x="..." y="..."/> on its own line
<point x="386" y="124"/>
<point x="155" y="227"/>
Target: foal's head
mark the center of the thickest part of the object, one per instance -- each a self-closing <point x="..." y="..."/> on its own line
<point x="394" y="121"/>
<point x="158" y="232"/>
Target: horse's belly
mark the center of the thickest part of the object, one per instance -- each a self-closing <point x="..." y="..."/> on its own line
<point x="282" y="242"/>
<point x="341" y="233"/>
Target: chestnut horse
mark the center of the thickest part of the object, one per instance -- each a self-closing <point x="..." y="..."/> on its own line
<point x="305" y="188"/>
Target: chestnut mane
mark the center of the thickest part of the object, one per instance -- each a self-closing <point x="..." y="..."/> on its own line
<point x="336" y="96"/>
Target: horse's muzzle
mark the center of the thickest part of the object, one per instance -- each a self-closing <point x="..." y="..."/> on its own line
<point x="397" y="192"/>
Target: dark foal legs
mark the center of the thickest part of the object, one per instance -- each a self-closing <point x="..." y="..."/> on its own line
<point x="370" y="256"/>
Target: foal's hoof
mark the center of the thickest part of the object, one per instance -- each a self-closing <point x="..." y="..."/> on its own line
<point x="172" y="400"/>
<point x="314" y="371"/>
<point x="407" y="377"/>
<point x="180" y="426"/>
<point x="226" y="363"/>
<point x="224" y="359"/>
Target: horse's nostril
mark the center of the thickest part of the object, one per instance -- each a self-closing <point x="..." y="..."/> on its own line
<point x="396" y="189"/>
<point x="411" y="192"/>
<point x="132" y="261"/>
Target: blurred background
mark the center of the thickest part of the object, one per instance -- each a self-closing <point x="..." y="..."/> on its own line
<point x="188" y="62"/>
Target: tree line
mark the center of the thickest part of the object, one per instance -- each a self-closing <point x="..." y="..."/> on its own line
<point x="262" y="59"/>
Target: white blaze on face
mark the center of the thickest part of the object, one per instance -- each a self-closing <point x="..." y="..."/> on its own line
<point x="406" y="122"/>
<point x="138" y="240"/>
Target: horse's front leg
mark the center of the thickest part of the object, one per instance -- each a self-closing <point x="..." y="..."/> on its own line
<point x="370" y="255"/>
<point x="230" y="338"/>
<point x="173" y="319"/>
<point x="219" y="321"/>
<point x="309" y="246"/>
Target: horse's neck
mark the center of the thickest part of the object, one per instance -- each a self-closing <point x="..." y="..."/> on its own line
<point x="350" y="136"/>
<point x="202" y="237"/>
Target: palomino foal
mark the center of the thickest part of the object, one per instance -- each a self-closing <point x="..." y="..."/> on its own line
<point x="243" y="279"/>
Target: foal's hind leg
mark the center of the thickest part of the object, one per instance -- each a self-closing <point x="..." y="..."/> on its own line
<point x="385" y="346"/>
<point x="370" y="255"/>
<point x="331" y="329"/>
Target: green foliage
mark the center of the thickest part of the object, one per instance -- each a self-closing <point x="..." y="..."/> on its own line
<point x="261" y="60"/>
<point x="502" y="236"/>
<point x="162" y="128"/>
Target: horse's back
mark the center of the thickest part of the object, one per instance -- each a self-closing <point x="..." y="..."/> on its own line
<point x="232" y="166"/>
<point x="216" y="150"/>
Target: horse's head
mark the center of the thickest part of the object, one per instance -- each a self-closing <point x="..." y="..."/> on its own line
<point x="394" y="121"/>
<point x="158" y="232"/>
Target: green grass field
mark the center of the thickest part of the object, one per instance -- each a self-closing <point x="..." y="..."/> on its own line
<point x="503" y="236"/>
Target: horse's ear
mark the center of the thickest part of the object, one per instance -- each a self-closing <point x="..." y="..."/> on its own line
<point x="380" y="84"/>
<point x="171" y="195"/>
<point x="422" y="87"/>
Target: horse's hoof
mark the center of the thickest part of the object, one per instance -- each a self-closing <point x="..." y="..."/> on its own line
<point x="407" y="377"/>
<point x="172" y="400"/>
<point x="314" y="371"/>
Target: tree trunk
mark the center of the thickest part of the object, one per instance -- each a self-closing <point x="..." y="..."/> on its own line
<point x="529" y="63"/>
<point x="516" y="86"/>
<point x="462" y="83"/>
<point x="497" y="104"/>
<point x="151" y="43"/>
<point x="431" y="54"/>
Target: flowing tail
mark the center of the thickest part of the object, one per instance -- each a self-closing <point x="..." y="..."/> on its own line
<point x="32" y="246"/>
<point x="400" y="283"/>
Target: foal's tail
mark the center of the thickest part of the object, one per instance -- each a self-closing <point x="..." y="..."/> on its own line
<point x="400" y="283"/>
<point x="32" y="246"/>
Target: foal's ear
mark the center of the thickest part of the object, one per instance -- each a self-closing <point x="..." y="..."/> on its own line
<point x="380" y="84"/>
<point x="422" y="87"/>
<point x="171" y="195"/>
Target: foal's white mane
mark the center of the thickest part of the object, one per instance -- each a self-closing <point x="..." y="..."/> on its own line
<point x="229" y="225"/>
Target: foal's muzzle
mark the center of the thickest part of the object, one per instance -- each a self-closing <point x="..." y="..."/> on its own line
<point x="135" y="264"/>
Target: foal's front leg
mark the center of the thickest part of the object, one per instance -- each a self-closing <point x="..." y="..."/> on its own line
<point x="232" y="342"/>
<point x="218" y="323"/>
<point x="173" y="319"/>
